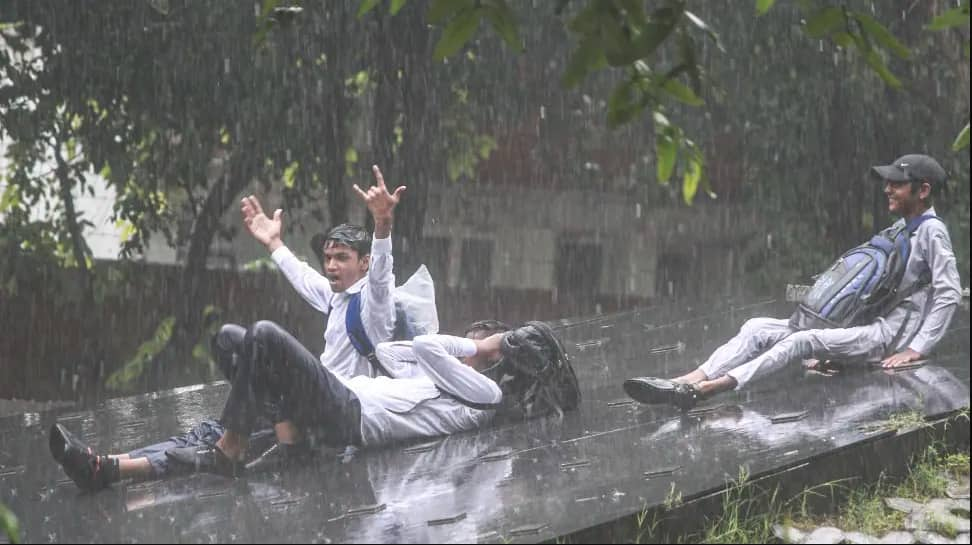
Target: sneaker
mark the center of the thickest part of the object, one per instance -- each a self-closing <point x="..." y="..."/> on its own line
<point x="280" y="456"/>
<point x="653" y="390"/>
<point x="207" y="459"/>
<point x="88" y="470"/>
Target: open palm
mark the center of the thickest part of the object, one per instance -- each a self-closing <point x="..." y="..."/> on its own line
<point x="263" y="228"/>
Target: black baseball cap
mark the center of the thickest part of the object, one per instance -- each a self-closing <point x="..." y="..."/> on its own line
<point x="912" y="168"/>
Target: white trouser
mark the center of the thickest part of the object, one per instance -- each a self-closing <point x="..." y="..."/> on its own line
<point x="766" y="345"/>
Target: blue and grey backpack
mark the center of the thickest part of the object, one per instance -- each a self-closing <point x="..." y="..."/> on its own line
<point x="863" y="283"/>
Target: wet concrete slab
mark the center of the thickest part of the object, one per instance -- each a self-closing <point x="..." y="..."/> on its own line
<point x="526" y="482"/>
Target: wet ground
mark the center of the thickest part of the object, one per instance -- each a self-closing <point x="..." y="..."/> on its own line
<point x="525" y="482"/>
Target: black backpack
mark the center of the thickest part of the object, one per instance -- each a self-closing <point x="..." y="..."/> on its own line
<point x="535" y="374"/>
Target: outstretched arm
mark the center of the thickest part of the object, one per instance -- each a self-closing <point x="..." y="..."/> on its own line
<point x="378" y="313"/>
<point x="381" y="203"/>
<point x="311" y="286"/>
<point x="264" y="229"/>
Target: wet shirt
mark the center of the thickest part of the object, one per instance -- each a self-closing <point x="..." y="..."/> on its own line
<point x="923" y="317"/>
<point x="377" y="305"/>
<point x="393" y="409"/>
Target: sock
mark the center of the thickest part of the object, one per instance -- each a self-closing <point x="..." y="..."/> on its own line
<point x="110" y="470"/>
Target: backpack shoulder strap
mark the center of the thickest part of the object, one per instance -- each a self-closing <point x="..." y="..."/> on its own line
<point x="913" y="224"/>
<point x="356" y="334"/>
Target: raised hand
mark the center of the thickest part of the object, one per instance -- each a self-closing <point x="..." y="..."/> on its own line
<point x="380" y="202"/>
<point x="264" y="229"/>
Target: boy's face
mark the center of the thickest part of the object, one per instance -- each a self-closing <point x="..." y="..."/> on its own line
<point x="343" y="266"/>
<point x="903" y="200"/>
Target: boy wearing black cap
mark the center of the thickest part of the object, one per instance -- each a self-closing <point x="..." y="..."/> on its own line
<point x="905" y="334"/>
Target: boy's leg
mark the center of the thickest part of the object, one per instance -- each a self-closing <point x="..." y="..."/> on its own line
<point x="206" y="433"/>
<point x="854" y="342"/>
<point x="310" y="396"/>
<point x="755" y="337"/>
<point x="227" y="348"/>
<point x="276" y="366"/>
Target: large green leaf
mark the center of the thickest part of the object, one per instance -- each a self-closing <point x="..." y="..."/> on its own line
<point x="124" y="379"/>
<point x="652" y="35"/>
<point x="824" y="21"/>
<point x="874" y="60"/>
<point x="290" y="174"/>
<point x="9" y="524"/>
<point x="882" y="35"/>
<point x="691" y="177"/>
<point x="762" y="6"/>
<point x="962" y="140"/>
<point x="396" y="6"/>
<point x="954" y="17"/>
<point x="366" y="6"/>
<point x="504" y="23"/>
<point x="843" y="39"/>
<point x="587" y="57"/>
<point x="623" y="104"/>
<point x="440" y="10"/>
<point x="681" y="92"/>
<point x="666" y="151"/>
<point x="457" y="33"/>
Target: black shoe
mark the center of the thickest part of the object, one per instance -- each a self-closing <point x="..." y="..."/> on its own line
<point x="653" y="390"/>
<point x="208" y="459"/>
<point x="87" y="470"/>
<point x="279" y="456"/>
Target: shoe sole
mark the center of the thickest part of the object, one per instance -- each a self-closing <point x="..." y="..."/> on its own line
<point x="58" y="441"/>
<point x="647" y="394"/>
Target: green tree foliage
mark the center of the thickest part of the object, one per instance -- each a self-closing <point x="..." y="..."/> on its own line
<point x="658" y="51"/>
<point x="173" y="108"/>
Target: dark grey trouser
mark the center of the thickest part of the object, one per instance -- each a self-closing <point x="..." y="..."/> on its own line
<point x="227" y="348"/>
<point x="276" y="367"/>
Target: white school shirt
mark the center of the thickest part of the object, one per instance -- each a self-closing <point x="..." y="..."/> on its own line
<point x="927" y="312"/>
<point x="377" y="305"/>
<point x="393" y="409"/>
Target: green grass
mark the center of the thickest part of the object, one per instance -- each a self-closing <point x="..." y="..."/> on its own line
<point x="747" y="519"/>
<point x="750" y="511"/>
<point x="906" y="420"/>
<point x="864" y="509"/>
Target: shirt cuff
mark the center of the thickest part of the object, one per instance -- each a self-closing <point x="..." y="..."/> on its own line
<point x="381" y="246"/>
<point x="467" y="347"/>
<point x="281" y="254"/>
<point x="920" y="348"/>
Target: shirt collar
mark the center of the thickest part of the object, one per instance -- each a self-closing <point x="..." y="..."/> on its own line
<point x="357" y="286"/>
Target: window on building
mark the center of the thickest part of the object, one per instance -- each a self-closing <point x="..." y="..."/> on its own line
<point x="578" y="268"/>
<point x="477" y="264"/>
